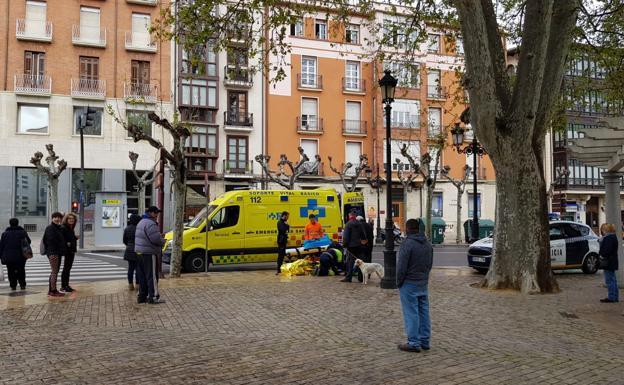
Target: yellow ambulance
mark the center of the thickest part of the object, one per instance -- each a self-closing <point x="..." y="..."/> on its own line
<point x="242" y="224"/>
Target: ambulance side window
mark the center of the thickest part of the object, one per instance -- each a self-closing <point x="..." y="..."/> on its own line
<point x="226" y="217"/>
<point x="556" y="233"/>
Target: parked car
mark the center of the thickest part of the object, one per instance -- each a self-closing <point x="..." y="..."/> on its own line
<point x="572" y="246"/>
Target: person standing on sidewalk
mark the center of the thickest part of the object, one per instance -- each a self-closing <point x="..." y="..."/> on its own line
<point x="54" y="247"/>
<point x="412" y="278"/>
<point x="609" y="253"/>
<point x="11" y="254"/>
<point x="282" y="239"/>
<point x="129" y="253"/>
<point x="71" y="241"/>
<point x="354" y="239"/>
<point x="148" y="244"/>
<point x="367" y="255"/>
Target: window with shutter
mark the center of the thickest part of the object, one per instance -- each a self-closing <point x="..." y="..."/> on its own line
<point x="35" y="18"/>
<point x="140" y="29"/>
<point x="89" y="24"/>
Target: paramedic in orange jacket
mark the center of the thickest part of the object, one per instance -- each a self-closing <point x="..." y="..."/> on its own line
<point x="313" y="230"/>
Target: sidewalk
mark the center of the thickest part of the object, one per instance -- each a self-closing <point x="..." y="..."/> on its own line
<point x="256" y="328"/>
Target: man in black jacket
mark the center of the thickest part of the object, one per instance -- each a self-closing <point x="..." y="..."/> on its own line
<point x="367" y="255"/>
<point x="412" y="278"/>
<point x="282" y="239"/>
<point x="11" y="253"/>
<point x="354" y="240"/>
<point x="54" y="244"/>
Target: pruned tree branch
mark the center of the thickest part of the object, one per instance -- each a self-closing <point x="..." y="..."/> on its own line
<point x="349" y="180"/>
<point x="282" y="177"/>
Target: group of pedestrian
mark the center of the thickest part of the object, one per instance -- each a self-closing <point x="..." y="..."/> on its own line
<point x="144" y="245"/>
<point x="357" y="238"/>
<point x="59" y="240"/>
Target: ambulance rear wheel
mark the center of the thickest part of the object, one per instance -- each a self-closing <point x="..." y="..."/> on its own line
<point x="590" y="264"/>
<point x="195" y="262"/>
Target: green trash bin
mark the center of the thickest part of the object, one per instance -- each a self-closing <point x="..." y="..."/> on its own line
<point x="438" y="228"/>
<point x="486" y="228"/>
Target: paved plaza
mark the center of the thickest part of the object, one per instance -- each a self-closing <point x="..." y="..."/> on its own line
<point x="252" y="327"/>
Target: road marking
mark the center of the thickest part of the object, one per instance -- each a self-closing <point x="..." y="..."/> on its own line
<point x="104" y="255"/>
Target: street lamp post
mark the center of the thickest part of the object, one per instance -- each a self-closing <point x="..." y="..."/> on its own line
<point x="376" y="183"/>
<point x="387" y="84"/>
<point x="476" y="149"/>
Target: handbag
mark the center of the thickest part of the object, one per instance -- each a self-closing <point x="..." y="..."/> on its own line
<point x="603" y="262"/>
<point x="26" y="249"/>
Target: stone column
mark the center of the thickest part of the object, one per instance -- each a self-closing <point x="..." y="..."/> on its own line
<point x="613" y="210"/>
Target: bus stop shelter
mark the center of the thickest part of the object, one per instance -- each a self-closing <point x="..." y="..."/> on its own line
<point x="604" y="147"/>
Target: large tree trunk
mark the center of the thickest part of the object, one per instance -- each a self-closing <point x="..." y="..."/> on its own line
<point x="428" y="226"/>
<point x="141" y="199"/>
<point x="178" y="227"/>
<point x="52" y="195"/>
<point x="458" y="237"/>
<point x="521" y="253"/>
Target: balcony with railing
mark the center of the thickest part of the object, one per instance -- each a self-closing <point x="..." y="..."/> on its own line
<point x="353" y="85"/>
<point x="406" y="122"/>
<point x="319" y="171"/>
<point x="237" y="169"/>
<point x="309" y="125"/>
<point x="237" y="77"/>
<point x="88" y="36"/>
<point x="310" y="82"/>
<point x="34" y="30"/>
<point x="354" y="127"/>
<point x="88" y="88"/>
<point x="140" y="92"/>
<point x="436" y="92"/>
<point x="140" y="42"/>
<point x="238" y="119"/>
<point x="198" y="165"/>
<point x="143" y="2"/>
<point x="27" y="84"/>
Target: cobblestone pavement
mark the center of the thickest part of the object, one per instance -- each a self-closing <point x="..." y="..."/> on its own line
<point x="256" y="328"/>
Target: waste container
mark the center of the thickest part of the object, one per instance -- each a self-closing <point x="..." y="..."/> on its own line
<point x="486" y="228"/>
<point x="438" y="227"/>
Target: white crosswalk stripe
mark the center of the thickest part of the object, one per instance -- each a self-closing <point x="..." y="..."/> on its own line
<point x="83" y="270"/>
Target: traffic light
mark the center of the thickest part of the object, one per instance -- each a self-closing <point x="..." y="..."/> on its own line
<point x="90" y="117"/>
<point x="75" y="206"/>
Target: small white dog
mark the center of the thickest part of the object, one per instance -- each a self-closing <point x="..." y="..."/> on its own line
<point x="369" y="268"/>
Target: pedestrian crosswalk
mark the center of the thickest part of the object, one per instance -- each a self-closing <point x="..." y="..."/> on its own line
<point x="84" y="270"/>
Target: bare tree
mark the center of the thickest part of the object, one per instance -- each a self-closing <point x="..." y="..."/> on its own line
<point x="406" y="179"/>
<point x="460" y="185"/>
<point x="350" y="180"/>
<point x="142" y="180"/>
<point x="289" y="172"/>
<point x="52" y="172"/>
<point x="429" y="168"/>
<point x="177" y="164"/>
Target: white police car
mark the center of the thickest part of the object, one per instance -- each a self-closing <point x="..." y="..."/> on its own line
<point x="572" y="246"/>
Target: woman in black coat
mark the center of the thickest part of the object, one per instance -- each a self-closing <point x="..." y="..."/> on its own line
<point x="609" y="252"/>
<point x="11" y="244"/>
<point x="54" y="246"/>
<point x="71" y="240"/>
<point x="130" y="254"/>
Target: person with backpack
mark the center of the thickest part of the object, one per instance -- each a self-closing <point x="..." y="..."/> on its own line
<point x="129" y="253"/>
<point x="53" y="243"/>
<point x="354" y="239"/>
<point x="71" y="241"/>
<point x="12" y="245"/>
<point x="282" y="239"/>
<point x="148" y="244"/>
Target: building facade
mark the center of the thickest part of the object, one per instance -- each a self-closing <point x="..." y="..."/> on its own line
<point x="57" y="58"/>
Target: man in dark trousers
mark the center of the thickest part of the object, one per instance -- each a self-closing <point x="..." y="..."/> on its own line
<point x="354" y="240"/>
<point x="412" y="275"/>
<point x="148" y="244"/>
<point x="367" y="255"/>
<point x="282" y="239"/>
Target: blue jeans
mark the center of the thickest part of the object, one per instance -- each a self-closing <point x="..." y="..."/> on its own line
<point x="415" y="304"/>
<point x="612" y="285"/>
